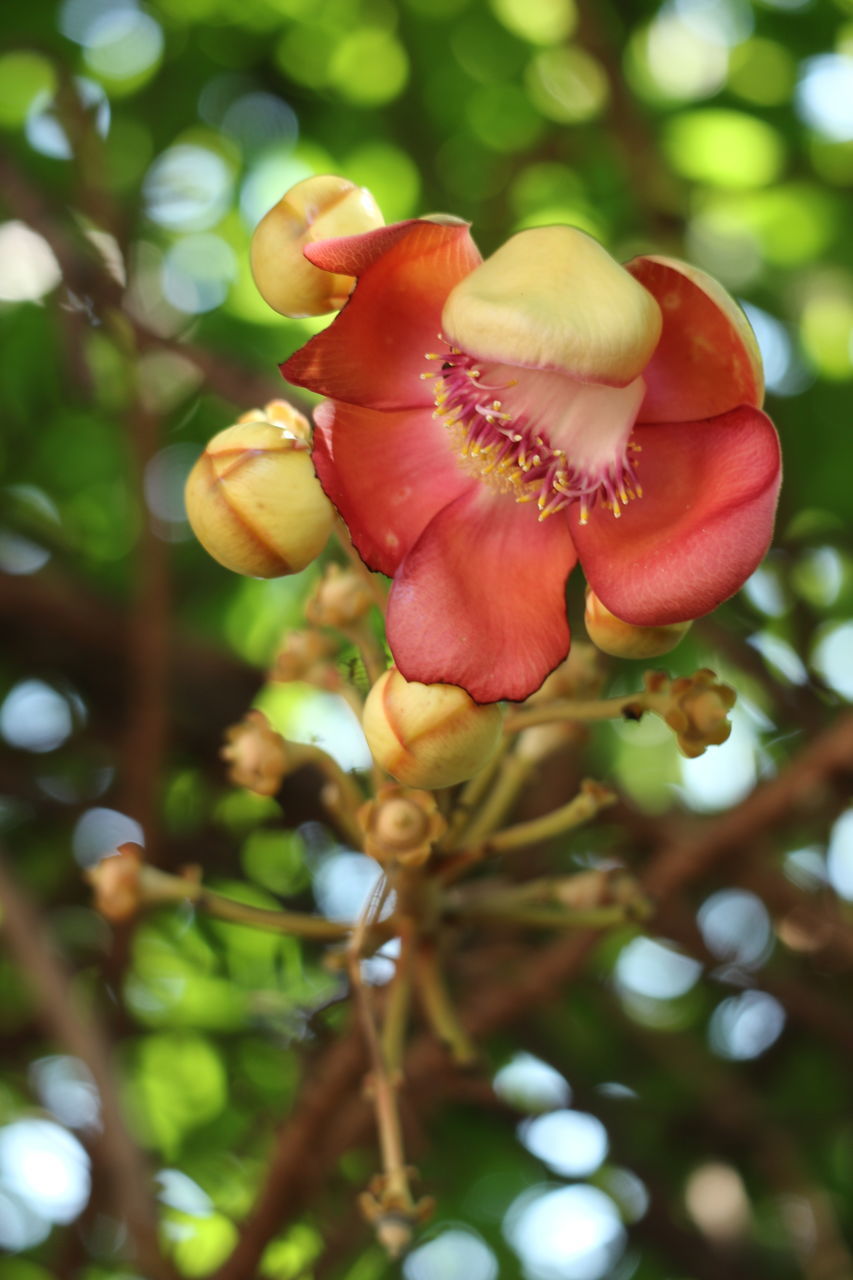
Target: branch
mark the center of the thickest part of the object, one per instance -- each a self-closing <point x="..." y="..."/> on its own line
<point x="299" y="1159"/>
<point x="799" y="790"/>
<point x="75" y="1027"/>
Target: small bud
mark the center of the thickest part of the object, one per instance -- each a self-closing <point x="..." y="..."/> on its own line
<point x="116" y="881"/>
<point x="623" y="640"/>
<point x="695" y="707"/>
<point x="253" y="499"/>
<point x="429" y="735"/>
<point x="315" y="209"/>
<point x="257" y="755"/>
<point x="306" y="655"/>
<point x="401" y="826"/>
<point x="341" y="598"/>
<point x="124" y="884"/>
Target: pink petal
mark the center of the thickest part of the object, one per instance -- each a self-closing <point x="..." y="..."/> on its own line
<point x="707" y="360"/>
<point x="387" y="473"/>
<point x="702" y="526"/>
<point x="479" y="601"/>
<point x="374" y="352"/>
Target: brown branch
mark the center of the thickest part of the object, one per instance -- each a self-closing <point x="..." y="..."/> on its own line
<point x="124" y="1167"/>
<point x="86" y="276"/>
<point x="299" y="1160"/>
<point x="57" y="622"/>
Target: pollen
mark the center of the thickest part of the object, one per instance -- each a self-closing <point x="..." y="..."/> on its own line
<point x="511" y="454"/>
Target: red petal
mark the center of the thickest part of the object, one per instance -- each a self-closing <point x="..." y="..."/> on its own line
<point x="702" y="526"/>
<point x="707" y="360"/>
<point x="479" y="601"/>
<point x="387" y="473"/>
<point x="373" y="352"/>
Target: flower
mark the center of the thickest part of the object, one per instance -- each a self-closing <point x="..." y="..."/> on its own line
<point x="491" y="423"/>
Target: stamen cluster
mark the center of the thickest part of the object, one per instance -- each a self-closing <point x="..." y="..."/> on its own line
<point x="511" y="454"/>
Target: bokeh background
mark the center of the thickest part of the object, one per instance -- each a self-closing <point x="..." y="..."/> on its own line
<point x="673" y="1104"/>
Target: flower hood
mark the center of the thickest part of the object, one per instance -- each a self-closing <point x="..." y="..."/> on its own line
<point x="490" y="424"/>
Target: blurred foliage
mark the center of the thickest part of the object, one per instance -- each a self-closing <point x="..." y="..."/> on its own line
<point x="151" y="138"/>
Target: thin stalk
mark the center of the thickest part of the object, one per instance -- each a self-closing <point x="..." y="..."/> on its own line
<point x="438" y="1006"/>
<point x="633" y="706"/>
<point x="341" y="797"/>
<point x="592" y="798"/>
<point x="395" y="1022"/>
<point x="471" y="796"/>
<point x="158" y="887"/>
<point x="514" y="772"/>
<point x="396" y="1193"/>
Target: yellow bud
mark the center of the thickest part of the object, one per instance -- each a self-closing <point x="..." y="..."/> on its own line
<point x="623" y="640"/>
<point x="315" y="209"/>
<point x="253" y="499"/>
<point x="429" y="735"/>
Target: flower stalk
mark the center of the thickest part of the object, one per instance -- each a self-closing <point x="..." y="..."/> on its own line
<point x="694" y="707"/>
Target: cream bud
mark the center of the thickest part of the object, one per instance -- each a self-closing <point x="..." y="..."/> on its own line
<point x="253" y="499"/>
<point x="429" y="735"/>
<point x="317" y="208"/>
<point x="622" y="639"/>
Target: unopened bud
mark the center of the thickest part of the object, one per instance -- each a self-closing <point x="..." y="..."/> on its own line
<point x="124" y="883"/>
<point x="622" y="639"/>
<point x="257" y="755"/>
<point x="429" y="735"/>
<point x="305" y="655"/>
<point x="253" y="499"/>
<point x="116" y="881"/>
<point x="401" y="825"/>
<point x="315" y="209"/>
<point x="341" y="598"/>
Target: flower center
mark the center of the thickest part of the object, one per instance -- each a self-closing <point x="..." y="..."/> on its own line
<point x="540" y="435"/>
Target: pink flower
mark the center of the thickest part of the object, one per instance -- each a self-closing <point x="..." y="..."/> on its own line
<point x="490" y="424"/>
